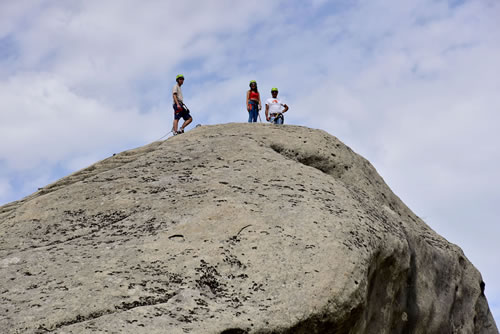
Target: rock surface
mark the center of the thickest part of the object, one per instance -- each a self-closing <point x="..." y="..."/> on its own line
<point x="236" y="228"/>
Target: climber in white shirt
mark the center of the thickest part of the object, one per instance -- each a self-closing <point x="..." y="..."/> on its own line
<point x="275" y="109"/>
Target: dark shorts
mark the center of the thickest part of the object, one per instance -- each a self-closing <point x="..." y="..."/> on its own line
<point x="181" y="112"/>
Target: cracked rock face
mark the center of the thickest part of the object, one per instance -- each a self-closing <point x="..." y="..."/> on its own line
<point x="231" y="229"/>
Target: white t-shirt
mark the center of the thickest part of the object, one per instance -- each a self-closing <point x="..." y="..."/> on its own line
<point x="275" y="105"/>
<point x="177" y="89"/>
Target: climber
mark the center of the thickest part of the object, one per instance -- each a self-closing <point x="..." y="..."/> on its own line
<point x="180" y="109"/>
<point x="274" y="112"/>
<point x="253" y="102"/>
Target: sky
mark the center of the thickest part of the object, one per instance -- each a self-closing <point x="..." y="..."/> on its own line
<point x="413" y="86"/>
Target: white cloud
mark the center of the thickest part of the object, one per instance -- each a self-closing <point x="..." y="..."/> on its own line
<point x="46" y="122"/>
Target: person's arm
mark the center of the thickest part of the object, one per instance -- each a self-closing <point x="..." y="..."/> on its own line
<point x="260" y="104"/>
<point x="267" y="112"/>
<point x="248" y="97"/>
<point x="286" y="108"/>
<point x="176" y="100"/>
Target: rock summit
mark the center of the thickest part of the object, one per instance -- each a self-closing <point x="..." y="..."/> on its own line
<point x="231" y="229"/>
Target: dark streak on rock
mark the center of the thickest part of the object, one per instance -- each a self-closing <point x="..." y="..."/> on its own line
<point x="125" y="306"/>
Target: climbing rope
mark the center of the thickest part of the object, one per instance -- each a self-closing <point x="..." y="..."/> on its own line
<point x="171" y="131"/>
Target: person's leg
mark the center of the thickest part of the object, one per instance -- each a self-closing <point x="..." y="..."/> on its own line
<point x="186" y="123"/>
<point x="176" y="120"/>
<point x="279" y="119"/>
<point x="255" y="112"/>
<point x="274" y="119"/>
<point x="251" y="113"/>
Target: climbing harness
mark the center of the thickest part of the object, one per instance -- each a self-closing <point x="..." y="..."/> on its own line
<point x="279" y="115"/>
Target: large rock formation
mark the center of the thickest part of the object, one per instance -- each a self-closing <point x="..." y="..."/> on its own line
<point x="238" y="228"/>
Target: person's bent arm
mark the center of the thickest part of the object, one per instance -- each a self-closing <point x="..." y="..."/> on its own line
<point x="248" y="98"/>
<point x="286" y="108"/>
